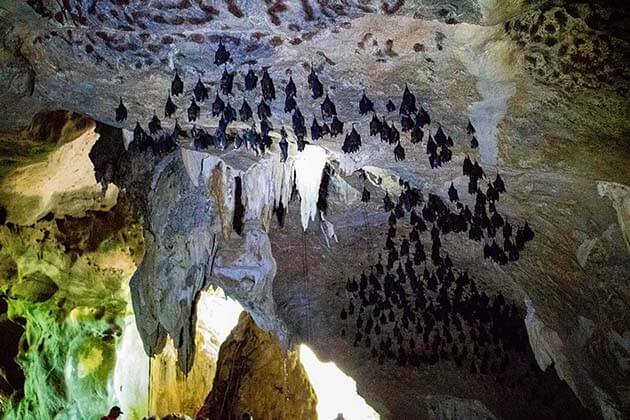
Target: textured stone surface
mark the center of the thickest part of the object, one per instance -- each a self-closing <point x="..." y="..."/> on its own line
<point x="456" y="408"/>
<point x="256" y="375"/>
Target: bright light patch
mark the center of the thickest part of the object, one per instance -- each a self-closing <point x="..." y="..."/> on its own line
<point x="130" y="382"/>
<point x="336" y="391"/>
<point x="170" y="391"/>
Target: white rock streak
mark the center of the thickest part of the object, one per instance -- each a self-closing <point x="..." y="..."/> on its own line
<point x="309" y="165"/>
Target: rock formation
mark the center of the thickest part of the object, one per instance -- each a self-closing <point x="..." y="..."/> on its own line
<point x="256" y="375"/>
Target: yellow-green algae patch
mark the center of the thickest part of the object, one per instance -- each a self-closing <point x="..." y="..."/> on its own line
<point x="73" y="295"/>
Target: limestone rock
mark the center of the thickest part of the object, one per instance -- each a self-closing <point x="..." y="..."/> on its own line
<point x="449" y="408"/>
<point x="178" y="249"/>
<point x="256" y="375"/>
<point x="620" y="196"/>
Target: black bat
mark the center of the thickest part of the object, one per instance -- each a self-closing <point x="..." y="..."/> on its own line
<point x="170" y="108"/>
<point x="416" y="134"/>
<point x="251" y="80"/>
<point x="298" y="124"/>
<point x="375" y="126"/>
<point x="217" y="106"/>
<point x="406" y="122"/>
<point x="399" y="152"/>
<point x="221" y="56"/>
<point x="264" y="111"/>
<point x="227" y="81"/>
<point x="365" y="105"/>
<point x="121" y="112"/>
<point x="352" y="143"/>
<point x="498" y="184"/>
<point x="246" y="111"/>
<point x="200" y="91"/>
<point x="155" y="124"/>
<point x="193" y="111"/>
<point x="177" y="86"/>
<point x="470" y="129"/>
<point x="317" y="89"/>
<point x="289" y="104"/>
<point x="290" y="89"/>
<point x="229" y="113"/>
<point x="365" y="196"/>
<point x="423" y="118"/>
<point x="336" y="127"/>
<point x="328" y="108"/>
<point x="316" y="130"/>
<point x="390" y="106"/>
<point x="452" y="193"/>
<point x="268" y="89"/>
<point x="408" y="105"/>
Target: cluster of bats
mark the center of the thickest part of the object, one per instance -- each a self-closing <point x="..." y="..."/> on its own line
<point x="257" y="138"/>
<point x="417" y="309"/>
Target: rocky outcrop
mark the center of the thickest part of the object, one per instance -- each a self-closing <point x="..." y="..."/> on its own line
<point x="449" y="408"/>
<point x="620" y="197"/>
<point x="578" y="45"/>
<point x="172" y="391"/>
<point x="60" y="183"/>
<point x="67" y="291"/>
<point x="256" y="375"/>
<point x="179" y="242"/>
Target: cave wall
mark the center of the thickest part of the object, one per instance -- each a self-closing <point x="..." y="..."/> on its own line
<point x="256" y="375"/>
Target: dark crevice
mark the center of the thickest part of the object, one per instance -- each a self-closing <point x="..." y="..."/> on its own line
<point x="239" y="209"/>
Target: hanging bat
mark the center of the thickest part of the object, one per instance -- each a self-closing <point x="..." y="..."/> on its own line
<point x="245" y="112"/>
<point x="317" y="89"/>
<point x="399" y="152"/>
<point x="328" y="108"/>
<point x="316" y="130"/>
<point x="177" y="86"/>
<point x="170" y="108"/>
<point x="221" y="56"/>
<point x="227" y="81"/>
<point x="121" y="112"/>
<point x="406" y="122"/>
<point x="290" y="90"/>
<point x="408" y="105"/>
<point x="352" y="143"/>
<point x="200" y="91"/>
<point x="251" y="80"/>
<point x="193" y="111"/>
<point x="375" y="126"/>
<point x="289" y="104"/>
<point x="264" y="111"/>
<point x="155" y="124"/>
<point x="336" y="127"/>
<point x="217" y="106"/>
<point x="365" y="105"/>
<point x="268" y="89"/>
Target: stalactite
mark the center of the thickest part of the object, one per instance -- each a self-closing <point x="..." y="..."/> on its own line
<point x="258" y="192"/>
<point x="309" y="165"/>
<point x="221" y="186"/>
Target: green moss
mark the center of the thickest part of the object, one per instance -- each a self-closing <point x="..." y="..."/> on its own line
<point x="68" y="349"/>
